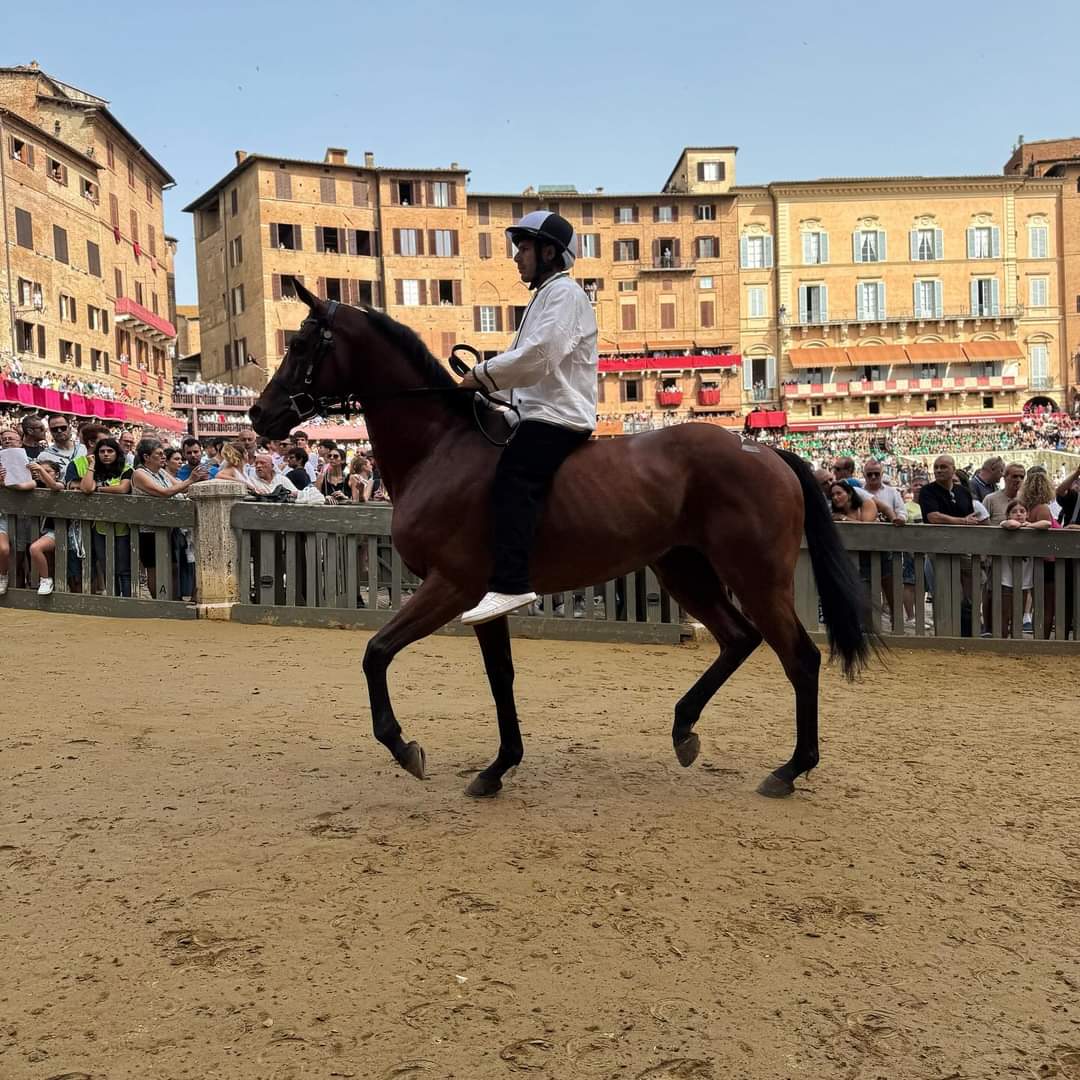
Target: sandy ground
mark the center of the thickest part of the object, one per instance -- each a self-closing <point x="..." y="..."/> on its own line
<point x="209" y="869"/>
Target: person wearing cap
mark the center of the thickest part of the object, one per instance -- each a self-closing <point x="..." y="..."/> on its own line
<point x="550" y="374"/>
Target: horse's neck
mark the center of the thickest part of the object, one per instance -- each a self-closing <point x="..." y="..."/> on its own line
<point x="405" y="439"/>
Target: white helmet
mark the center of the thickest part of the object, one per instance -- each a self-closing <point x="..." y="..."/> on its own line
<point x="548" y="228"/>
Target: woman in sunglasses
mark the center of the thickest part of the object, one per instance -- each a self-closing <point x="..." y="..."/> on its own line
<point x="332" y="482"/>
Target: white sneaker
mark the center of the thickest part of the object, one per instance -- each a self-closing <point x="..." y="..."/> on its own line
<point x="3" y="584"/>
<point x="45" y="586"/>
<point x="496" y="604"/>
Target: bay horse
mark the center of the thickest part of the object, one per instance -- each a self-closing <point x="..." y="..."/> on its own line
<point x="713" y="516"/>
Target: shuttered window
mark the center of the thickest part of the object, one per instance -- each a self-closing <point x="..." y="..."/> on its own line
<point x="984" y="297"/>
<point x="984" y="242"/>
<point x="588" y="245"/>
<point x="813" y="304"/>
<point x="360" y="192"/>
<point x="586" y="213"/>
<point x="1038" y="242"/>
<point x="24" y="229"/>
<point x="60" y="244"/>
<point x="815" y="248"/>
<point x="282" y="185"/>
<point x="628" y="316"/>
<point x="710" y="172"/>
<point x="708" y="316"/>
<point x="1039" y="292"/>
<point x="708" y="247"/>
<point x="483" y="212"/>
<point x="485" y="245"/>
<point x="114" y="212"/>
<point x="928" y="299"/>
<point x="870" y="300"/>
<point x="927" y="245"/>
<point x="755" y="301"/>
<point x="327" y="189"/>
<point x="667" y="316"/>
<point x="756" y="252"/>
<point x="93" y="258"/>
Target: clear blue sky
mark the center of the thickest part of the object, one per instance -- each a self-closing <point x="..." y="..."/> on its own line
<point x="595" y="94"/>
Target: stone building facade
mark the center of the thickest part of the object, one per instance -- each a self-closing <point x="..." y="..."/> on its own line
<point x="849" y="300"/>
<point x="85" y="278"/>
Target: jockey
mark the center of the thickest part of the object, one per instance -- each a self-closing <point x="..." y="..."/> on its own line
<point x="551" y="370"/>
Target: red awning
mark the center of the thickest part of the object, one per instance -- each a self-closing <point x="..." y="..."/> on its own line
<point x="823" y="356"/>
<point x="670" y="363"/>
<point x="992" y="350"/>
<point x="337" y="432"/>
<point x="932" y="352"/>
<point x="768" y="419"/>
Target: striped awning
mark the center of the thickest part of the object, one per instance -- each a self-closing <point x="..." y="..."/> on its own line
<point x="877" y="354"/>
<point x="992" y="350"/>
<point x="821" y="357"/>
<point x="935" y="352"/>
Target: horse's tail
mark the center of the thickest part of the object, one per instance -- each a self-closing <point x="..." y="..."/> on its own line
<point x="844" y="603"/>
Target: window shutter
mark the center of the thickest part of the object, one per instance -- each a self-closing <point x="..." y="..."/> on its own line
<point x="511" y="322"/>
<point x="360" y="193"/>
<point x="509" y="247"/>
<point x="881" y="253"/>
<point x="656" y="251"/>
<point x="587" y="213"/>
<point x="803" y="312"/>
<point x="824" y="303"/>
<point x="748" y="373"/>
<point x="675" y="213"/>
<point x="706" y="313"/>
<point x="615" y="214"/>
<point x="913" y="244"/>
<point x="701" y="170"/>
<point x="114" y="211"/>
<point x="636" y="218"/>
<point x="675" y="248"/>
<point x="498" y="319"/>
<point x="881" y="299"/>
<point x="656" y="213"/>
<point x="770" y="372"/>
<point x="974" y="297"/>
<point x="823" y="250"/>
<point x="350" y="240"/>
<point x="454" y="249"/>
<point x="420" y="237"/>
<point x="395" y="193"/>
<point x="397" y="241"/>
<point x="856" y="247"/>
<point x="432" y="247"/>
<point x="423" y="291"/>
<point x="971" y="243"/>
<point x="281" y="342"/>
<point x="939" y="244"/>
<point x="768" y="251"/>
<point x="376" y="294"/>
<point x="457" y="293"/>
<point x="995" y="242"/>
<point x="399" y="293"/>
<point x="320" y="287"/>
<point x="275" y="286"/>
<point x="806" y="249"/>
<point x="453" y="192"/>
<point x="860" y="306"/>
<point x="937" y="299"/>
<point x="298" y="238"/>
<point x="994" y="299"/>
<point x="273" y="235"/>
<point x="485" y="245"/>
<point x="341" y="240"/>
<point x="104" y="324"/>
<point x="596" y="245"/>
<point x="319" y="243"/>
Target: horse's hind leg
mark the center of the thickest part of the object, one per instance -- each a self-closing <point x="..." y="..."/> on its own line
<point x="494" y="638"/>
<point x="692" y="581"/>
<point x="773" y="612"/>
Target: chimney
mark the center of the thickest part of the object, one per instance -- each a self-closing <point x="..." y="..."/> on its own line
<point x="34" y="65"/>
<point x="335" y="156"/>
<point x="240" y="156"/>
<point x="454" y="165"/>
<point x="369" y="159"/>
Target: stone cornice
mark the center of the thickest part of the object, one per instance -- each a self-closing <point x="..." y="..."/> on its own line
<point x="861" y="187"/>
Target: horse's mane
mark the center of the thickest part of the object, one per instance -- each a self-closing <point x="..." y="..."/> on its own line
<point x="430" y="370"/>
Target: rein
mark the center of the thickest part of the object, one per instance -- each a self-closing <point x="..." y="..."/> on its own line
<point x="348" y="404"/>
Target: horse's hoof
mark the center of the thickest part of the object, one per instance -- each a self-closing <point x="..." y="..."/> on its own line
<point x="775" y="787"/>
<point x="688" y="750"/>
<point x="412" y="760"/>
<point x="483" y="787"/>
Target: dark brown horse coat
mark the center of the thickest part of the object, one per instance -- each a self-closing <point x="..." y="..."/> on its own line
<point x="714" y="516"/>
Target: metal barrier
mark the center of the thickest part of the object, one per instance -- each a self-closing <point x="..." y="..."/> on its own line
<point x="103" y="546"/>
<point x="959" y="585"/>
<point x="336" y="566"/>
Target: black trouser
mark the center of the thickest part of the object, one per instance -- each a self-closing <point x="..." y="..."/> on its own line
<point x="522" y="480"/>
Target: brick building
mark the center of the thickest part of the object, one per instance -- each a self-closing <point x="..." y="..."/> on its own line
<point x="870" y="300"/>
<point x="85" y="278"/>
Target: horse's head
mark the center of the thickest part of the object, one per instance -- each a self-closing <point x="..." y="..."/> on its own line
<point x="313" y="376"/>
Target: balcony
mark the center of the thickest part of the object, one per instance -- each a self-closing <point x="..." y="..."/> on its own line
<point x="709" y="395"/>
<point x="666" y="264"/>
<point x="669" y="398"/>
<point x="135" y="317"/>
<point x="902" y="318"/>
<point x="212" y="401"/>
<point x="885" y="387"/>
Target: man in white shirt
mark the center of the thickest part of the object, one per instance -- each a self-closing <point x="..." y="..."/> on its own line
<point x="889" y="500"/>
<point x="550" y="371"/>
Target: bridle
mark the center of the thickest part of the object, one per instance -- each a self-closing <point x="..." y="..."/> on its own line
<point x="306" y="405"/>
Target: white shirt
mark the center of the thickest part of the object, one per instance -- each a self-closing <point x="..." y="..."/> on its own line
<point x="551" y="367"/>
<point x="889" y="496"/>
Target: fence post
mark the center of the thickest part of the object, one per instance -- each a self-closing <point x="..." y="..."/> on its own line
<point x="215" y="546"/>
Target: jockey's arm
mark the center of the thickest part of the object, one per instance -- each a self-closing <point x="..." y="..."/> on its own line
<point x="549" y="336"/>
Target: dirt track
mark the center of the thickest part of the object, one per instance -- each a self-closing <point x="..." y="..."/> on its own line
<point x="218" y="875"/>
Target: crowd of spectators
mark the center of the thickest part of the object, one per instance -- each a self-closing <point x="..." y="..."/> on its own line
<point x="217" y="389"/>
<point x="996" y="494"/>
<point x="51" y="455"/>
<point x="68" y="384"/>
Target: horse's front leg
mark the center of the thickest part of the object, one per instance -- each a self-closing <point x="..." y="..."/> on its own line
<point x="494" y="638"/>
<point x="433" y="605"/>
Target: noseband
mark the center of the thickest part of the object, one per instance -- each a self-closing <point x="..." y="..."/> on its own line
<point x="306" y="405"/>
<point x="324" y="342"/>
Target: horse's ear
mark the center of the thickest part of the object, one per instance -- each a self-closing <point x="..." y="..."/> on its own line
<point x="308" y="297"/>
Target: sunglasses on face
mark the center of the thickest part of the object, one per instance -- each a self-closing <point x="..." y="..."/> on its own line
<point x="59" y="427"/>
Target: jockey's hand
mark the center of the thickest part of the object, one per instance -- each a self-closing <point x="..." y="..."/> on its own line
<point x="470" y="382"/>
